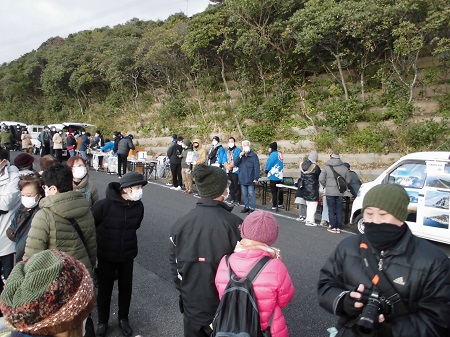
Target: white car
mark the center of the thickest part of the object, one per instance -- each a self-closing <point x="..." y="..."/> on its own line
<point x="426" y="178"/>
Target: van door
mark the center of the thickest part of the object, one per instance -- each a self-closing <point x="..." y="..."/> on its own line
<point x="433" y="209"/>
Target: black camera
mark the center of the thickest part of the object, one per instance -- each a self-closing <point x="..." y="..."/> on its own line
<point x="367" y="323"/>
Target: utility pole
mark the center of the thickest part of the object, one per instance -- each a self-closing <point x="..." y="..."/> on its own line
<point x="187" y="8"/>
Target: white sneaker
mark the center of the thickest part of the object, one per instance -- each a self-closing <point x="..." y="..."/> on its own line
<point x="301" y="218"/>
<point x="177" y="188"/>
<point x="280" y="206"/>
<point x="274" y="207"/>
<point x="310" y="224"/>
<point x="169" y="184"/>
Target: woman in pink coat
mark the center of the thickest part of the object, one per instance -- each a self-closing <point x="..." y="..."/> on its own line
<point x="273" y="287"/>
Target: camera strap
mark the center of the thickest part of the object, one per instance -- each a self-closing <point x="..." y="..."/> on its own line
<point x="379" y="279"/>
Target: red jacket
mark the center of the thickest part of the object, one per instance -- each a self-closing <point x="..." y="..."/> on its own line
<point x="273" y="287"/>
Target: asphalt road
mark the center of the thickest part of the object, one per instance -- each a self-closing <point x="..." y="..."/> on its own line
<point x="154" y="306"/>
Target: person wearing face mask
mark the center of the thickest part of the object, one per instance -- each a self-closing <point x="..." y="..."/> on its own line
<point x="117" y="218"/>
<point x="200" y="153"/>
<point x="411" y="273"/>
<point x="81" y="183"/>
<point x="274" y="170"/>
<point x="227" y="161"/>
<point x="58" y="145"/>
<point x="174" y="153"/>
<point x="199" y="239"/>
<point x="249" y="173"/>
<point x="31" y="192"/>
<point x="215" y="152"/>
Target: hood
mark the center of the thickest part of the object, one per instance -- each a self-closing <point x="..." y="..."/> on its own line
<point x="334" y="162"/>
<point x="68" y="205"/>
<point x="113" y="194"/>
<point x="306" y="164"/>
<point x="199" y="143"/>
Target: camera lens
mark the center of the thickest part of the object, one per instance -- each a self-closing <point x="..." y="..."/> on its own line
<point x="367" y="322"/>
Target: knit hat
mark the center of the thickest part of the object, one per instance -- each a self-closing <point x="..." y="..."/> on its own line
<point x="23" y="160"/>
<point x="211" y="181"/>
<point x="132" y="178"/>
<point x="313" y="156"/>
<point x="260" y="226"/>
<point x="174" y="136"/>
<point x="391" y="198"/>
<point x="273" y="146"/>
<point x="47" y="294"/>
<point x="335" y="155"/>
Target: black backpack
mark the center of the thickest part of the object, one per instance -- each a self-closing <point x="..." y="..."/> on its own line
<point x="237" y="314"/>
<point x="340" y="181"/>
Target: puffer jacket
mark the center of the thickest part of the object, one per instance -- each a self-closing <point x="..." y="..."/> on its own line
<point x="125" y="145"/>
<point x="20" y="226"/>
<point x="273" y="287"/>
<point x="88" y="189"/>
<point x="117" y="221"/>
<point x="328" y="180"/>
<point x="51" y="228"/>
<point x="419" y="272"/>
<point x="200" y="153"/>
<point x="310" y="177"/>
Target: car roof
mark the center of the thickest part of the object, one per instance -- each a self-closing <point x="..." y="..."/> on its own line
<point x="434" y="155"/>
<point x="13" y="123"/>
<point x="73" y="125"/>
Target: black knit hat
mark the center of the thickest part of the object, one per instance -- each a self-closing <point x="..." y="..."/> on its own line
<point x="216" y="138"/>
<point x="273" y="146"/>
<point x="132" y="178"/>
<point x="391" y="198"/>
<point x="211" y="181"/>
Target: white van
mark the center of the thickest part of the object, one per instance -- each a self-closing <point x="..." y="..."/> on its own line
<point x="35" y="131"/>
<point x="426" y="178"/>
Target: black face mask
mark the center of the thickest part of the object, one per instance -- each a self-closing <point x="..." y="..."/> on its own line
<point x="383" y="236"/>
<point x="195" y="146"/>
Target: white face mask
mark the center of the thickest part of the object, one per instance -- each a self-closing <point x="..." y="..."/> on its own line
<point x="230" y="145"/>
<point x="214" y="142"/>
<point x="246" y="149"/>
<point x="29" y="202"/>
<point x="228" y="193"/>
<point x="79" y="172"/>
<point x="136" y="195"/>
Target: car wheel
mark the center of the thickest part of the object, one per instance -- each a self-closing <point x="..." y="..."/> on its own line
<point x="359" y="222"/>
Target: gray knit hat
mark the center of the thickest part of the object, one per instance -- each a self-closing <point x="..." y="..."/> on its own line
<point x="391" y="198"/>
<point x="211" y="181"/>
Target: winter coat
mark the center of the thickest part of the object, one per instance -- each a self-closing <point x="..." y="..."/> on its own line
<point x="419" y="272"/>
<point x="51" y="228"/>
<point x="249" y="168"/>
<point x="214" y="155"/>
<point x="20" y="226"/>
<point x="199" y="239"/>
<point x="26" y="141"/>
<point x="174" y="154"/>
<point x="117" y="221"/>
<point x="274" y="166"/>
<point x="84" y="142"/>
<point x="116" y="143"/>
<point x="200" y="153"/>
<point x="5" y="137"/>
<point x="125" y="145"/>
<point x="273" y="287"/>
<point x="310" y="181"/>
<point x="57" y="141"/>
<point x="88" y="189"/>
<point x="107" y="147"/>
<point x="354" y="184"/>
<point x="328" y="180"/>
<point x="185" y="165"/>
<point x="71" y="142"/>
<point x="228" y="158"/>
<point x="9" y="203"/>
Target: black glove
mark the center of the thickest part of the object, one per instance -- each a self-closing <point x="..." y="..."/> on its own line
<point x="385" y="330"/>
<point x="348" y="305"/>
<point x="180" y="304"/>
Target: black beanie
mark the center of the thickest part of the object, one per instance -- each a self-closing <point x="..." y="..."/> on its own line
<point x="391" y="198"/>
<point x="273" y="146"/>
<point x="211" y="181"/>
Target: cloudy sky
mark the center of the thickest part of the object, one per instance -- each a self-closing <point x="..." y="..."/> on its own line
<point x="26" y="24"/>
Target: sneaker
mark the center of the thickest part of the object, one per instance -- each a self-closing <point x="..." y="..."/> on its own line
<point x="280" y="206"/>
<point x="310" y="224"/>
<point x="332" y="230"/>
<point x="251" y="210"/>
<point x="169" y="184"/>
<point x="338" y="231"/>
<point x="301" y="218"/>
<point x="236" y="203"/>
<point x="245" y="210"/>
<point x="274" y="207"/>
<point x="177" y="188"/>
<point x="229" y="202"/>
<point x="324" y="223"/>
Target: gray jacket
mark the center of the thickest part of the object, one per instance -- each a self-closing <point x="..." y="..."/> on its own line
<point x="327" y="179"/>
<point x="125" y="145"/>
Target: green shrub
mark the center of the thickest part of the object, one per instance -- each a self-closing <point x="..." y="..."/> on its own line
<point x="340" y="114"/>
<point x="444" y="105"/>
<point x="260" y="133"/>
<point x="425" y="135"/>
<point x="375" y="138"/>
<point x="327" y="141"/>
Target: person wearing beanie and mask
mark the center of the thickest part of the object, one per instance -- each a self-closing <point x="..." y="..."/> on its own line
<point x="24" y="162"/>
<point x="227" y="161"/>
<point x="249" y="173"/>
<point x="274" y="171"/>
<point x="123" y="149"/>
<point x="199" y="239"/>
<point x="117" y="218"/>
<point x="50" y="294"/>
<point x="333" y="195"/>
<point x="414" y="269"/>
<point x="273" y="287"/>
<point x="309" y="177"/>
<point x="215" y="152"/>
<point x="81" y="183"/>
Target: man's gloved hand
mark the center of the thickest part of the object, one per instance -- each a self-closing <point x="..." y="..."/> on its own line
<point x="351" y="303"/>
<point x="180" y="304"/>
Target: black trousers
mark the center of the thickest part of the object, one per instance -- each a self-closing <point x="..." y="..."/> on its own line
<point x="58" y="154"/>
<point x="106" y="275"/>
<point x="176" y="174"/>
<point x="273" y="189"/>
<point x="194" y="330"/>
<point x="122" y="164"/>
<point x="235" y="188"/>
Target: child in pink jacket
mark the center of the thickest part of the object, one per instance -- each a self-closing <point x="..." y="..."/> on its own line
<point x="273" y="287"/>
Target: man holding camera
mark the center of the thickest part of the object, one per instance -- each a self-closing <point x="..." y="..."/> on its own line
<point x="387" y="282"/>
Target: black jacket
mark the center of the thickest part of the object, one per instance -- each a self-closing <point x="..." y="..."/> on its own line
<point x="310" y="176"/>
<point x="174" y="153"/>
<point x="117" y="221"/>
<point x="419" y="272"/>
<point x="199" y="239"/>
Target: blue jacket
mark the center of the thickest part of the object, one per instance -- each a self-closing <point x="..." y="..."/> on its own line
<point x="274" y="166"/>
<point x="84" y="142"/>
<point x="108" y="147"/>
<point x="249" y="169"/>
<point x="224" y="158"/>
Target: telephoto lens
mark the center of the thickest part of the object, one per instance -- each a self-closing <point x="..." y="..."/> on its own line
<point x="367" y="322"/>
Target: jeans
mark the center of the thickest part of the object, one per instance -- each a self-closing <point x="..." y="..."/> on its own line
<point x="72" y="153"/>
<point x="7" y="263"/>
<point x="325" y="209"/>
<point x="335" y="211"/>
<point x="249" y="190"/>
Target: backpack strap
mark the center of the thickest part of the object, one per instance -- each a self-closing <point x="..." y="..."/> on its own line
<point x="254" y="272"/>
<point x="78" y="229"/>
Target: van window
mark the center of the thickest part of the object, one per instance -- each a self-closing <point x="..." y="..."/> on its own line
<point x="409" y="174"/>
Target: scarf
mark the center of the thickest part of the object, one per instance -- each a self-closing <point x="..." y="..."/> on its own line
<point x="246" y="244"/>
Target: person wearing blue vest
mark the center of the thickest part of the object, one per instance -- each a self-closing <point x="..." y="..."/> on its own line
<point x="227" y="160"/>
<point x="274" y="171"/>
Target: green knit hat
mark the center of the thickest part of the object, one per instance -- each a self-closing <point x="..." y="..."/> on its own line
<point x="211" y="181"/>
<point x="391" y="198"/>
<point x="47" y="294"/>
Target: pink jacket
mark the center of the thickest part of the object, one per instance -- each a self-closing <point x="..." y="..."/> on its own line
<point x="273" y="287"/>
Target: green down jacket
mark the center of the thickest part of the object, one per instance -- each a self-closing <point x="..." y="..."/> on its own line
<point x="51" y="229"/>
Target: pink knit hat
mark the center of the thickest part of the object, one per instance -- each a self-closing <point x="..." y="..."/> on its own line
<point x="260" y="226"/>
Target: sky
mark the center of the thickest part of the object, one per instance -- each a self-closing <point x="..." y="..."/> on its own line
<point x="26" y="24"/>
